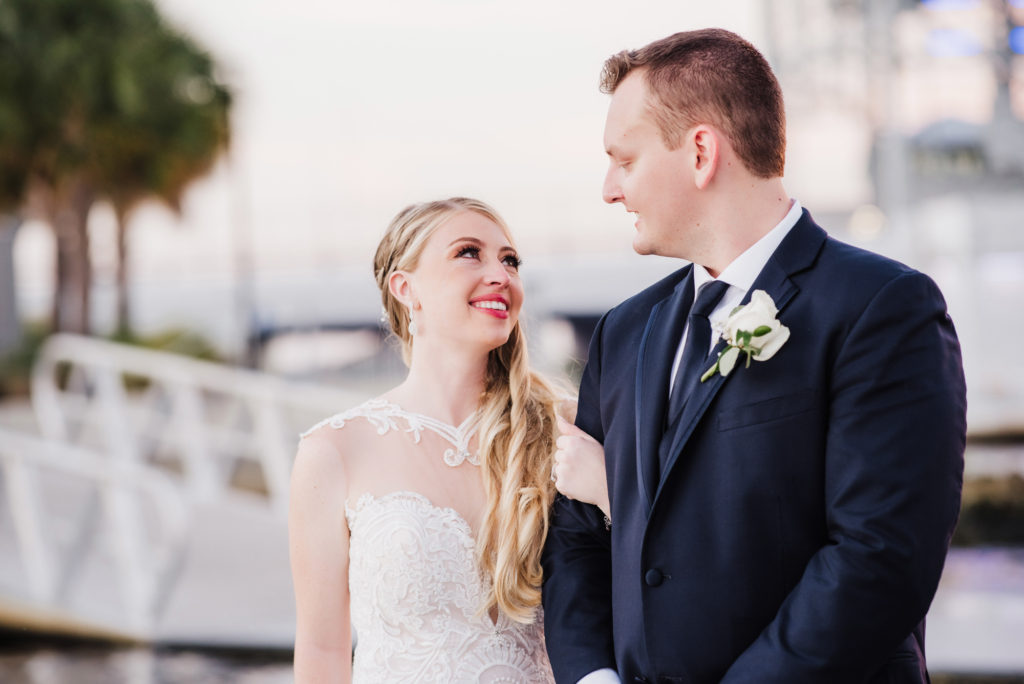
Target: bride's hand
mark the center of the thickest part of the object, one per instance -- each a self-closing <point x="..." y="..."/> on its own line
<point x="578" y="470"/>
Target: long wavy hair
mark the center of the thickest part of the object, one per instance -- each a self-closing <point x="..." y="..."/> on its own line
<point x="516" y="430"/>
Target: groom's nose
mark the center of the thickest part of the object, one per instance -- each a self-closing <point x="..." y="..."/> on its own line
<point x="611" y="192"/>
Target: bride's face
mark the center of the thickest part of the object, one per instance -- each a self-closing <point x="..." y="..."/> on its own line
<point x="466" y="286"/>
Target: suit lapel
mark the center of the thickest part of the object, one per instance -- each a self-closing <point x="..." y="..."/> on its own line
<point x="654" y="365"/>
<point x="797" y="252"/>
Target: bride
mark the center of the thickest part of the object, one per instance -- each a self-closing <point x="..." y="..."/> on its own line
<point x="419" y="516"/>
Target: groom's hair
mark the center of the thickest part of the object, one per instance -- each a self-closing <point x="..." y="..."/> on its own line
<point x="710" y="76"/>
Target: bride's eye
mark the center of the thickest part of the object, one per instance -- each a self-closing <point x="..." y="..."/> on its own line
<point x="512" y="261"/>
<point x="470" y="251"/>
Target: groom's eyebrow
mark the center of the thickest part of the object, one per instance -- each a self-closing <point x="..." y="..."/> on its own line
<point x="614" y="152"/>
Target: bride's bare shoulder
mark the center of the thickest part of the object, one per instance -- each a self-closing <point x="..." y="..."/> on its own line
<point x="349" y="431"/>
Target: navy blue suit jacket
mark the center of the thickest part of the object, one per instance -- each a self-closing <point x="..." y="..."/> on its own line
<point x="799" y="528"/>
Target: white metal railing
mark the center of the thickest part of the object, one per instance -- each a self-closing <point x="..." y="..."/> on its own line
<point x="143" y="560"/>
<point x="140" y="439"/>
<point x="202" y="417"/>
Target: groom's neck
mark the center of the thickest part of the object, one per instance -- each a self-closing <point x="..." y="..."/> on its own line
<point x="738" y="216"/>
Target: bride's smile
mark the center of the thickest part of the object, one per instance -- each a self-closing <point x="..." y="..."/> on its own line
<point x="495" y="305"/>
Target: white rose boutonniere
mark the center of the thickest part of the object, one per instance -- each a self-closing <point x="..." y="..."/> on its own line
<point x="752" y="329"/>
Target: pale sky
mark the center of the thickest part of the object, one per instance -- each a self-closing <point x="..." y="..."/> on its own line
<point x="346" y="112"/>
<point x="349" y="111"/>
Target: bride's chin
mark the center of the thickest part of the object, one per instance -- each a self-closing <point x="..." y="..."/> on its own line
<point x="497" y="343"/>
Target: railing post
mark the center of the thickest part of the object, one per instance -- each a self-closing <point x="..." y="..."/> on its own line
<point x="273" y="459"/>
<point x="46" y="396"/>
<point x="117" y="429"/>
<point x="126" y="537"/>
<point x="201" y="470"/>
<point x="22" y="493"/>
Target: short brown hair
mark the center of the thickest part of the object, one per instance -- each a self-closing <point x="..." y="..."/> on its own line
<point x="711" y="76"/>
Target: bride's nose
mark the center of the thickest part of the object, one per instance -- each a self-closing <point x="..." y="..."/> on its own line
<point x="497" y="273"/>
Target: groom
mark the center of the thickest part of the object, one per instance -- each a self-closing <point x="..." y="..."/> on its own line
<point x="787" y="522"/>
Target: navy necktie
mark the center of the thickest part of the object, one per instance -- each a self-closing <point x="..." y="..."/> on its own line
<point x="698" y="344"/>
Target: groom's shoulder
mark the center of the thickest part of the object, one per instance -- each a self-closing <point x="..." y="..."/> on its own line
<point x="852" y="279"/>
<point x="845" y="263"/>
<point x="838" y="265"/>
<point x="813" y="245"/>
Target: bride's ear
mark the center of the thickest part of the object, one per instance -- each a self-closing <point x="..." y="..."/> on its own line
<point x="401" y="288"/>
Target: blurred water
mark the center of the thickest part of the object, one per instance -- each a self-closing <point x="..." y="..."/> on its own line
<point x="55" y="663"/>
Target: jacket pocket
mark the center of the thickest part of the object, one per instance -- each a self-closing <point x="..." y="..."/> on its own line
<point x="766" y="411"/>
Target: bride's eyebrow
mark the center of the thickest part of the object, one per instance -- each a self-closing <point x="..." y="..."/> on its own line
<point x="504" y="249"/>
<point x="465" y="239"/>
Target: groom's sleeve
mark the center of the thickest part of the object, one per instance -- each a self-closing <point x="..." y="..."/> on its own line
<point x="577" y="561"/>
<point x="893" y="475"/>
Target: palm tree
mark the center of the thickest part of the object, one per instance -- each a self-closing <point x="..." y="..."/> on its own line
<point x="98" y="99"/>
<point x="176" y="129"/>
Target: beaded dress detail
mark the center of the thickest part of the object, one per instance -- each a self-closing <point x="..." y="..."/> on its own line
<point x="417" y="591"/>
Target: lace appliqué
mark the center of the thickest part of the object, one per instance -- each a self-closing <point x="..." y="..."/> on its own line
<point x="384" y="415"/>
<point x="416" y="595"/>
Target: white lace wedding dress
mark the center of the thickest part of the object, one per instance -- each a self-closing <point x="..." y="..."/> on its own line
<point x="416" y="588"/>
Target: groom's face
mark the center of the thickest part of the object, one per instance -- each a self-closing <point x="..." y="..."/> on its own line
<point x="650" y="180"/>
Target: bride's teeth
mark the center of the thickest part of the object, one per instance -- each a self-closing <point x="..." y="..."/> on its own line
<point x="500" y="306"/>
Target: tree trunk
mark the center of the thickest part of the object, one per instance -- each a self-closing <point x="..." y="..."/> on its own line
<point x="10" y="322"/>
<point x="124" y="323"/>
<point x="69" y="215"/>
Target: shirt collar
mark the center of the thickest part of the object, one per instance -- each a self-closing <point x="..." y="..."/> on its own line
<point x="745" y="268"/>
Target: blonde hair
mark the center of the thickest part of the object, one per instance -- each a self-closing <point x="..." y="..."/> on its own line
<point x="516" y="430"/>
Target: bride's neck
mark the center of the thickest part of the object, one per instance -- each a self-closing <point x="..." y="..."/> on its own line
<point x="443" y="384"/>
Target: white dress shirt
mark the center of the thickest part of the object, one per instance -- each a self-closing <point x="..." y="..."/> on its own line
<point x="605" y="675"/>
<point x="740" y="276"/>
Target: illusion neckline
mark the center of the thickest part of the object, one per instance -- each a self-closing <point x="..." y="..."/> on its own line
<point x="467" y="424"/>
<point x="383" y="414"/>
<point x="458" y="436"/>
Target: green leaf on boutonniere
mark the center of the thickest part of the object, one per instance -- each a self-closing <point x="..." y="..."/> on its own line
<point x="727" y="361"/>
<point x="762" y="330"/>
<point x="711" y="371"/>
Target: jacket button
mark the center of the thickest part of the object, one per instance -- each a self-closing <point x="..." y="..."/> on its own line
<point x="653" y="577"/>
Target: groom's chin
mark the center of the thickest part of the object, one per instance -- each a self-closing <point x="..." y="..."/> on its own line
<point x="641" y="246"/>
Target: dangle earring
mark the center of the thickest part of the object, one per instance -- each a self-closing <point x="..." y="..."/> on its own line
<point x="412" y="326"/>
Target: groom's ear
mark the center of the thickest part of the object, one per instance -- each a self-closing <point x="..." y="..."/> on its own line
<point x="401" y="288"/>
<point x="707" y="150"/>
